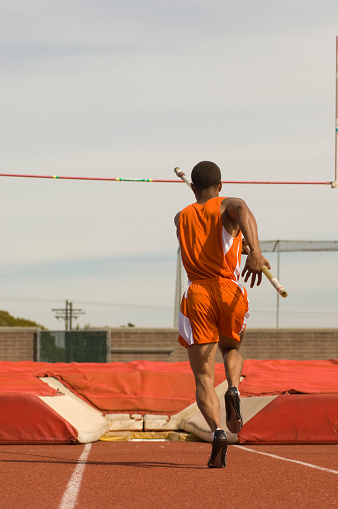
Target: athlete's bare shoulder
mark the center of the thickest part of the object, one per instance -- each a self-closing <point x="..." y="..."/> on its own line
<point x="228" y="213"/>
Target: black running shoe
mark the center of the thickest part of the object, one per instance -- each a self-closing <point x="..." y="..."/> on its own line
<point x="234" y="420"/>
<point x="218" y="456"/>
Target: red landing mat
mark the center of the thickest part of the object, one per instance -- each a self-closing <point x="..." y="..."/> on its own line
<point x="294" y="419"/>
<point x="136" y="387"/>
<point x="269" y="377"/>
<point x="163" y="387"/>
<point x="25" y="419"/>
<point x="305" y="410"/>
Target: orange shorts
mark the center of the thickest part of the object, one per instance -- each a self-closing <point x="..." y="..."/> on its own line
<point x="212" y="308"/>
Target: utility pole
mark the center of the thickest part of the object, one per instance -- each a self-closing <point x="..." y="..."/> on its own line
<point x="68" y="314"/>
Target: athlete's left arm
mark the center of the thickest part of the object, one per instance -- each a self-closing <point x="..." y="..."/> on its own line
<point x="241" y="218"/>
<point x="176" y="221"/>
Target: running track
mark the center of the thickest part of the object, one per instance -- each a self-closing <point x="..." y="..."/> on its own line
<point x="167" y="474"/>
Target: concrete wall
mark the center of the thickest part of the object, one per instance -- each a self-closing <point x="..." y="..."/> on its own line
<point x="161" y="344"/>
<point x="128" y="344"/>
<point x="18" y="343"/>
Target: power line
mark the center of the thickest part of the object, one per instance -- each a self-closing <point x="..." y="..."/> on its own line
<point x="86" y="302"/>
<point x="285" y="312"/>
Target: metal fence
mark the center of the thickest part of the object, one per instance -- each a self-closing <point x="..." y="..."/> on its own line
<point x="74" y="346"/>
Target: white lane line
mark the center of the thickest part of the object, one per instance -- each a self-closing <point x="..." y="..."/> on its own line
<point x="287" y="459"/>
<point x="69" y="498"/>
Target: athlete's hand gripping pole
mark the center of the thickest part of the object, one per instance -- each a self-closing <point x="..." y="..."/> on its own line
<point x="274" y="281"/>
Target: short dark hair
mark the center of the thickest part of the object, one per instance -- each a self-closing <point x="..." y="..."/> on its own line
<point x="206" y="174"/>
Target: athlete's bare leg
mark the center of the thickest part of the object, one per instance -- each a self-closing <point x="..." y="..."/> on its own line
<point x="202" y="362"/>
<point x="233" y="365"/>
<point x="233" y="360"/>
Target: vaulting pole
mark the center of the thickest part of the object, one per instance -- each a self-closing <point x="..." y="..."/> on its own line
<point x="335" y="183"/>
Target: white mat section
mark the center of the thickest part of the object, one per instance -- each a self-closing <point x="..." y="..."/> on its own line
<point x="177" y="421"/>
<point x="191" y="420"/>
<point x="125" y="422"/>
<point x="249" y="407"/>
<point x="90" y="424"/>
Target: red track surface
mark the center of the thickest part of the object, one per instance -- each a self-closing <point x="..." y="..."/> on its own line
<point x="168" y="474"/>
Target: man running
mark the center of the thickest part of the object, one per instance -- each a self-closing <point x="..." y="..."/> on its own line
<point x="214" y="308"/>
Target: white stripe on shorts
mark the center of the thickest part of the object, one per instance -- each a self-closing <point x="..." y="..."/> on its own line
<point x="184" y="329"/>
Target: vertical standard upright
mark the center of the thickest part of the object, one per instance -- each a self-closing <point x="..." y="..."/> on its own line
<point x="335" y="183"/>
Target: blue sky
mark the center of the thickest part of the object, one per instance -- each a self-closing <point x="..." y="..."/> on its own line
<point x="132" y="89"/>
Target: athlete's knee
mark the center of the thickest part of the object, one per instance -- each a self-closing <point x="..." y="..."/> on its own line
<point x="226" y="351"/>
<point x="226" y="344"/>
<point x="204" y="380"/>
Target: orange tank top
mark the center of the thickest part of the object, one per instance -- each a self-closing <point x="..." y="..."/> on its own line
<point x="208" y="250"/>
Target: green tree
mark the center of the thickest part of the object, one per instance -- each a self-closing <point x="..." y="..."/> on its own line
<point x="7" y="320"/>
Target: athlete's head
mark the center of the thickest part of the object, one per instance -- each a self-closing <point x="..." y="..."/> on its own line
<point x="205" y="174"/>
